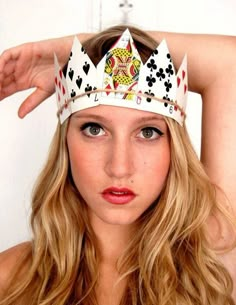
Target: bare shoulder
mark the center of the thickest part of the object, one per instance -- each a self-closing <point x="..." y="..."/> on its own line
<point x="228" y="259"/>
<point x="8" y="262"/>
<point x="222" y="235"/>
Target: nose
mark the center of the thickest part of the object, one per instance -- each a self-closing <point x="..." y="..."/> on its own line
<point x="120" y="161"/>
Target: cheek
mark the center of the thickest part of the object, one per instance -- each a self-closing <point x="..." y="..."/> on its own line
<point x="160" y="173"/>
<point x="163" y="162"/>
<point x="157" y="162"/>
<point x="76" y="156"/>
<point x="83" y="163"/>
<point x="78" y="161"/>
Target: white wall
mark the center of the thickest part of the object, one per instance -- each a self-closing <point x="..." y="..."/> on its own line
<point x="24" y="143"/>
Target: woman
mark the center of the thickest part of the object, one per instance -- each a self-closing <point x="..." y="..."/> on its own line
<point x="123" y="211"/>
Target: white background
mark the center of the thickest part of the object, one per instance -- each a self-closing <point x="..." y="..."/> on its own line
<point x="24" y="143"/>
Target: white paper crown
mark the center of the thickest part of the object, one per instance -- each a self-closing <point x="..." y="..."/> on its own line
<point x="121" y="79"/>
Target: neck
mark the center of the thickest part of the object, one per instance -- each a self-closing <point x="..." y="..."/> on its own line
<point x="112" y="240"/>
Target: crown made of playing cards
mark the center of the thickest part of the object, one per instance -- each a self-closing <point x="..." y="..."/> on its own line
<point x="121" y="79"/>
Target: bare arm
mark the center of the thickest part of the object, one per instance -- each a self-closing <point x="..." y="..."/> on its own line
<point x="31" y="65"/>
<point x="212" y="73"/>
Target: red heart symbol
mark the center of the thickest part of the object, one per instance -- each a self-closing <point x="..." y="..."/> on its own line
<point x="60" y="72"/>
<point x="185" y="88"/>
<point x="178" y="81"/>
<point x="56" y="80"/>
<point x="58" y="97"/>
<point x="175" y="108"/>
<point x="63" y="90"/>
<point x="59" y="85"/>
<point x="183" y="74"/>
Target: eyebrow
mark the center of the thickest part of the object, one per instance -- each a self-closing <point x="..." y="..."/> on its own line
<point x="98" y="117"/>
<point x="151" y="118"/>
<point x="89" y="116"/>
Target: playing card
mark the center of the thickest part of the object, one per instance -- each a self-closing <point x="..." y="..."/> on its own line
<point x="61" y="92"/>
<point x="182" y="85"/>
<point x="158" y="79"/>
<point x="81" y="77"/>
<point x="119" y="70"/>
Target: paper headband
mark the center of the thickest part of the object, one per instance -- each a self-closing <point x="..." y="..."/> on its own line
<point x="121" y="79"/>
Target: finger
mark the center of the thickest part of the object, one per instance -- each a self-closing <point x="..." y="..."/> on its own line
<point x="10" y="87"/>
<point x="7" y="81"/>
<point x="8" y="61"/>
<point x="32" y="101"/>
<point x="5" y="57"/>
<point x="8" y="55"/>
<point x="9" y="68"/>
<point x="7" y="78"/>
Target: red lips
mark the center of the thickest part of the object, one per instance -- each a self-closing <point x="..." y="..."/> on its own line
<point x="117" y="195"/>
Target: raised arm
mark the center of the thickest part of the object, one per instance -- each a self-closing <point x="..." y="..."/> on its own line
<point x="212" y="73"/>
<point x="31" y="65"/>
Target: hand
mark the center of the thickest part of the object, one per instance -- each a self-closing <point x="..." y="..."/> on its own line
<point x="31" y="65"/>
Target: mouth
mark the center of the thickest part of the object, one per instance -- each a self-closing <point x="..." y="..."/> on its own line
<point x="116" y="195"/>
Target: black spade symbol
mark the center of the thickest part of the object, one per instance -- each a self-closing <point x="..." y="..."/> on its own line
<point x="88" y="88"/>
<point x="71" y="74"/>
<point x="86" y="68"/>
<point x="72" y="93"/>
<point x="79" y="81"/>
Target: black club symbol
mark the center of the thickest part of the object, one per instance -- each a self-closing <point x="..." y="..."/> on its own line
<point x="167" y="99"/>
<point x="169" y="70"/>
<point x="71" y="54"/>
<point x="160" y="74"/>
<point x="149" y="99"/>
<point x="155" y="52"/>
<point x="168" y="85"/>
<point x="151" y="65"/>
<point x="151" y="80"/>
<point x="83" y="50"/>
<point x="169" y="57"/>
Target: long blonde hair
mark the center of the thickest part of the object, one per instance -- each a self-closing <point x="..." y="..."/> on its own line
<point x="169" y="260"/>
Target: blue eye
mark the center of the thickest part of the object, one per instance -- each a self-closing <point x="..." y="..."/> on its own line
<point x="150" y="133"/>
<point x="92" y="130"/>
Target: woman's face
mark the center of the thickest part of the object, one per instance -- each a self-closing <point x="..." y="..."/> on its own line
<point x="119" y="160"/>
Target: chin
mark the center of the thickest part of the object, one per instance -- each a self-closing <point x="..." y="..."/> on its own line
<point x="120" y="220"/>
